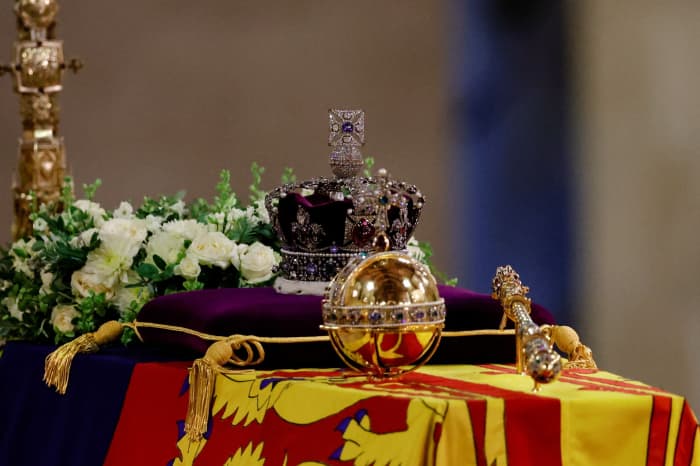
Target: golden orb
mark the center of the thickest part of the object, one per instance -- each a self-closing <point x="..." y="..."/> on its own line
<point x="384" y="314"/>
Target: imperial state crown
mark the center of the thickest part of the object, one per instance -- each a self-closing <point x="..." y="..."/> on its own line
<point x="322" y="223"/>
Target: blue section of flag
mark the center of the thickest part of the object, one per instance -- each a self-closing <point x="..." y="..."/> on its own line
<point x="39" y="426"/>
<point x="513" y="148"/>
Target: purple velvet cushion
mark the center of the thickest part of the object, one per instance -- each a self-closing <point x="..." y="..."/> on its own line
<point x="264" y="312"/>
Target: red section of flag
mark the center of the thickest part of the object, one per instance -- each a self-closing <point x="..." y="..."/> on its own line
<point x="477" y="414"/>
<point x="147" y="431"/>
<point x="624" y="386"/>
<point x="462" y="387"/>
<point x="686" y="437"/>
<point x="532" y="422"/>
<point x="533" y="433"/>
<point x="658" y="430"/>
<point x="583" y="379"/>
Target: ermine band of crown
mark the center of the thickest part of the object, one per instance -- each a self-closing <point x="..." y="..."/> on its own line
<point x="315" y="266"/>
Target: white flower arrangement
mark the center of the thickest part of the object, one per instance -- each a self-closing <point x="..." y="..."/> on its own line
<point x="83" y="265"/>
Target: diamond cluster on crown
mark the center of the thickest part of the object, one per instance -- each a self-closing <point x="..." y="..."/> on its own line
<point x="371" y="213"/>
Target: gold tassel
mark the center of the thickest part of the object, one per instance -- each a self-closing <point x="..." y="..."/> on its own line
<point x="57" y="364"/>
<point x="567" y="340"/>
<point x="202" y="380"/>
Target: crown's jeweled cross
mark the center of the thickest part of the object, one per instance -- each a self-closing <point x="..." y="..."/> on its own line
<point x="346" y="136"/>
<point x="347" y="127"/>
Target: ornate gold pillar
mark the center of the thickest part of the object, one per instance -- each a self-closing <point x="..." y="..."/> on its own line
<point x="37" y="72"/>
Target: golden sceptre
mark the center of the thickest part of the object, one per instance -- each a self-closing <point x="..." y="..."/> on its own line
<point x="37" y="72"/>
<point x="535" y="355"/>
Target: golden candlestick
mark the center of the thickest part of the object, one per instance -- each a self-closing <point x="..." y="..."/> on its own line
<point x="37" y="71"/>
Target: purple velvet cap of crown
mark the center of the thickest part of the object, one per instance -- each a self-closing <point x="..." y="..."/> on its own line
<point x="323" y="211"/>
<point x="264" y="312"/>
<point x="331" y="216"/>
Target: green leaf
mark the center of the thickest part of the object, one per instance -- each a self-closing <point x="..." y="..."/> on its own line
<point x="21" y="253"/>
<point x="147" y="270"/>
<point x="160" y="263"/>
<point x="191" y="285"/>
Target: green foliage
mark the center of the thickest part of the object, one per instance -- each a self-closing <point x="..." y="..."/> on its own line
<point x="427" y="253"/>
<point x="225" y="199"/>
<point x="369" y="164"/>
<point x="256" y="193"/>
<point x="288" y="176"/>
<point x="67" y="197"/>
<point x="90" y="189"/>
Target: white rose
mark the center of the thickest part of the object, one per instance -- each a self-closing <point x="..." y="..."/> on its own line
<point x="212" y="248"/>
<point x="125" y="210"/>
<point x="236" y="252"/>
<point x="188" y="268"/>
<point x="96" y="212"/>
<point x="12" y="307"/>
<point x="83" y="282"/>
<point x="62" y="318"/>
<point x="122" y="236"/>
<point x="255" y="262"/>
<point x="165" y="245"/>
<point x="188" y="229"/>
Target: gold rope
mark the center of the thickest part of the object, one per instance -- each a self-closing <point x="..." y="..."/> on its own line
<point x="206" y="336"/>
<point x="473" y="333"/>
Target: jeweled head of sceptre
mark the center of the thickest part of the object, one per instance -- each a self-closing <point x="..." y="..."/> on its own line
<point x="535" y="355"/>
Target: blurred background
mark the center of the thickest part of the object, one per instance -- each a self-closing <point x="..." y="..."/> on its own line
<point x="559" y="137"/>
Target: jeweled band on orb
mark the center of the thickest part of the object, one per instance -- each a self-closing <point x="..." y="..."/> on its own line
<point x="387" y="316"/>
